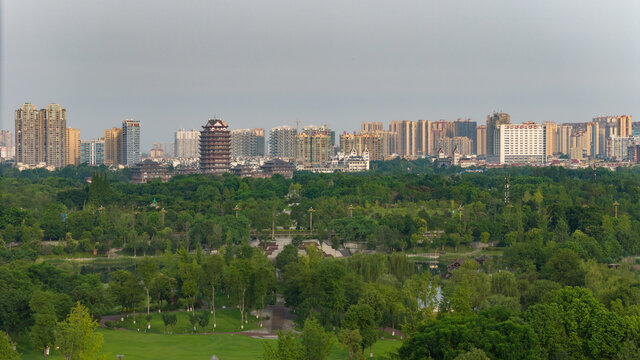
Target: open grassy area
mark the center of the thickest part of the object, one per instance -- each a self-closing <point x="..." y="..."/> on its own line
<point x="227" y="320"/>
<point x="140" y="346"/>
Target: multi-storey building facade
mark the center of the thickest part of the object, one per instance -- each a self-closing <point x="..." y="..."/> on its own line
<point x="563" y="139"/>
<point x="6" y="138"/>
<point x="7" y="150"/>
<point x="29" y="135"/>
<point x="215" y="147"/>
<point x="92" y="152"/>
<point x="282" y="142"/>
<point x="187" y="144"/>
<point x="41" y="135"/>
<point x="551" y="132"/>
<point x="313" y="149"/>
<point x="113" y="146"/>
<point x="580" y="145"/>
<point x="462" y="143"/>
<point x="494" y="122"/>
<point x="405" y="131"/>
<point x="73" y="146"/>
<point x="467" y="128"/>
<point x="481" y="137"/>
<point x="373" y="126"/>
<point x="55" y="128"/>
<point x="371" y="141"/>
<point x="521" y="143"/>
<point x="247" y="143"/>
<point x="130" y="142"/>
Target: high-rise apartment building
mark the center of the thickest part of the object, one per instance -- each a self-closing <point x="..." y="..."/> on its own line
<point x="551" y="132"/>
<point x="494" y="121"/>
<point x="6" y="138"/>
<point x="580" y="145"/>
<point x="406" y="136"/>
<point x="55" y="128"/>
<point x="113" y="146"/>
<point x="467" y="128"/>
<point x="282" y="142"/>
<point x="215" y="147"/>
<point x="593" y="130"/>
<point x="92" y="152"/>
<point x="29" y="135"/>
<point x="481" y="138"/>
<point x="247" y="143"/>
<point x="371" y="126"/>
<point x="371" y="141"/>
<point x="462" y="143"/>
<point x="73" y="146"/>
<point x="424" y="143"/>
<point x="521" y="143"/>
<point x="187" y="144"/>
<point x="7" y="151"/>
<point x="130" y="142"/>
<point x="41" y="135"/>
<point x="313" y="148"/>
<point x="563" y="138"/>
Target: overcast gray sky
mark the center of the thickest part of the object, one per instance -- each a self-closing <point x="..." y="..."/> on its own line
<point x="257" y="63"/>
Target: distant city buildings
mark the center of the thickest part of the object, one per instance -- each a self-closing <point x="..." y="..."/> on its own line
<point x="215" y="147"/>
<point x="92" y="152"/>
<point x="370" y="141"/>
<point x="494" y="122"/>
<point x="521" y="143"/>
<point x="282" y="142"/>
<point x="313" y="146"/>
<point x="158" y="151"/>
<point x="113" y="146"/>
<point x="73" y="147"/>
<point x="130" y="142"/>
<point x="187" y="144"/>
<point x="42" y="139"/>
<point x="247" y="143"/>
<point x="7" y="150"/>
<point x="41" y="135"/>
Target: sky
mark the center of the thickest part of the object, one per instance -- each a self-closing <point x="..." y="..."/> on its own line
<point x="256" y="63"/>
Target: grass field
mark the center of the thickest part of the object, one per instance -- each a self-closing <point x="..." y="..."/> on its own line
<point x="136" y="345"/>
<point x="227" y="320"/>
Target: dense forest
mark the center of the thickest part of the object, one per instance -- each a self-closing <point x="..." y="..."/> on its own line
<point x="560" y="280"/>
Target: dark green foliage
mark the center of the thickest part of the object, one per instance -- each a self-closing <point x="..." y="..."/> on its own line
<point x="452" y="336"/>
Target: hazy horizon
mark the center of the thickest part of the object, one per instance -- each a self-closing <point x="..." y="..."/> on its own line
<point x="265" y="64"/>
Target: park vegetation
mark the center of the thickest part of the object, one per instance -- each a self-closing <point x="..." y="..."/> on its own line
<point x="558" y="279"/>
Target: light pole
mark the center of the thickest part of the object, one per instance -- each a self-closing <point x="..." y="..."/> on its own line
<point x="236" y="208"/>
<point x="311" y="219"/>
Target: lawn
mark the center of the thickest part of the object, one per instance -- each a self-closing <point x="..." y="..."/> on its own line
<point x="227" y="320"/>
<point x="136" y="345"/>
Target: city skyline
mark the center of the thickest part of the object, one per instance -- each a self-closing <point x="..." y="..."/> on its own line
<point x="345" y="64"/>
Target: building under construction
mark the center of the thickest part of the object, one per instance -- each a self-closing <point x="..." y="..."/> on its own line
<point x="215" y="147"/>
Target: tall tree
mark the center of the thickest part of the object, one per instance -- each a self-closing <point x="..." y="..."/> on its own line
<point x="6" y="348"/>
<point x="212" y="270"/>
<point x="43" y="330"/>
<point x="77" y="336"/>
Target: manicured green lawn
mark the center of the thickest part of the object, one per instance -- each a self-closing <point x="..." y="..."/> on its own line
<point x="135" y="345"/>
<point x="227" y="320"/>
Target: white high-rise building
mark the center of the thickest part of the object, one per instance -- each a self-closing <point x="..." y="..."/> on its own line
<point x="187" y="144"/>
<point x="522" y="143"/>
